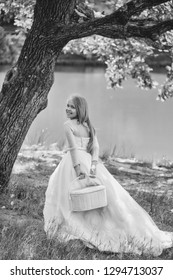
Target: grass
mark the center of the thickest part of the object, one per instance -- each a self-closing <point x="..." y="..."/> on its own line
<point x="115" y="152"/>
<point x="29" y="242"/>
<point x="22" y="233"/>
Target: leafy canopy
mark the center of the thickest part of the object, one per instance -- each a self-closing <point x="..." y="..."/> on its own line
<point x="124" y="58"/>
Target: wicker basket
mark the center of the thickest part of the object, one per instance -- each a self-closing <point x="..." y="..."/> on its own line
<point x="88" y="198"/>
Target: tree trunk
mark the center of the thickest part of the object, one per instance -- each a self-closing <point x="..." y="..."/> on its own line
<point x="22" y="98"/>
<point x="27" y="84"/>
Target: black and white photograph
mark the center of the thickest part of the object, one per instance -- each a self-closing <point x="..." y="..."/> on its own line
<point x="86" y="134"/>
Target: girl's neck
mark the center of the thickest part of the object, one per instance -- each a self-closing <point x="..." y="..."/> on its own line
<point x="76" y="120"/>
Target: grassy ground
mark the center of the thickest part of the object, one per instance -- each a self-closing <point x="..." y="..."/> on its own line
<point x="21" y="220"/>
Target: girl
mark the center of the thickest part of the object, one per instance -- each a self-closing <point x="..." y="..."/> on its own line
<point x="121" y="226"/>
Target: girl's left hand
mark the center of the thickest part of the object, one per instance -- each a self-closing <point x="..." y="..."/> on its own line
<point x="82" y="175"/>
<point x="79" y="172"/>
<point x="93" y="170"/>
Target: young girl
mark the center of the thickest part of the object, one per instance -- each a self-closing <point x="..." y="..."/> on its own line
<point x="121" y="226"/>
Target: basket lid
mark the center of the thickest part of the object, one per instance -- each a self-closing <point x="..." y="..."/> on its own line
<point x="89" y="189"/>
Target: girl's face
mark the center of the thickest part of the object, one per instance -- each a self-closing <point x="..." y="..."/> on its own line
<point x="71" y="110"/>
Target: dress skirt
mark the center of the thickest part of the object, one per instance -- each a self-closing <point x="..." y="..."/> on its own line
<point x="122" y="226"/>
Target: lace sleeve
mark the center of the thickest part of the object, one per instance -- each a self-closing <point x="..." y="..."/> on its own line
<point x="95" y="153"/>
<point x="72" y="143"/>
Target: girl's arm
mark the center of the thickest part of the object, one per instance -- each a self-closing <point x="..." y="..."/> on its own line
<point x="73" y="149"/>
<point x="95" y="152"/>
<point x="94" y="156"/>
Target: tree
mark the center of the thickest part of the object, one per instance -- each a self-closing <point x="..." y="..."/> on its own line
<point x="138" y="25"/>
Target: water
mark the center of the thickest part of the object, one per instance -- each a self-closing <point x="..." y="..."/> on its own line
<point x="128" y="119"/>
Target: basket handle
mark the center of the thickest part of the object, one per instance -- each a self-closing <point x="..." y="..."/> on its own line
<point x="88" y="177"/>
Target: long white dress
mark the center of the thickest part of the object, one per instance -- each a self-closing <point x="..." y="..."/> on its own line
<point x="122" y="226"/>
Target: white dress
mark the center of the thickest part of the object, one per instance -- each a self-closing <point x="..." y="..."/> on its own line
<point x="122" y="226"/>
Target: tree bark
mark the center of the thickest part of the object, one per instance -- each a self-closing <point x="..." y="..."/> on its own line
<point x="27" y="84"/>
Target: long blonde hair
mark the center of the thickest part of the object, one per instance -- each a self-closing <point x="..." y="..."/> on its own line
<point x="81" y="107"/>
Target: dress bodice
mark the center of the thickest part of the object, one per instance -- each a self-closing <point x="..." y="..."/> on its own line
<point x="77" y="141"/>
<point x="81" y="143"/>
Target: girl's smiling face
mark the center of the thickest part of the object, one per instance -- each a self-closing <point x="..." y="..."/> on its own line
<point x="71" y="110"/>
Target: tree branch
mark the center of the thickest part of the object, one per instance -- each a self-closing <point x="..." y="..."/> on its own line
<point x="151" y="31"/>
<point x="114" y="25"/>
<point x="129" y="9"/>
<point x="137" y="6"/>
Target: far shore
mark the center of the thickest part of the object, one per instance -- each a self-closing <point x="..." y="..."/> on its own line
<point x="157" y="63"/>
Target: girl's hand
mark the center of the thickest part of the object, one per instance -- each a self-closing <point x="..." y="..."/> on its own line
<point x="82" y="176"/>
<point x="79" y="173"/>
<point x="93" y="169"/>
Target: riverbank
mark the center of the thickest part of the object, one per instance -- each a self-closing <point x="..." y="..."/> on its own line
<point x="21" y="228"/>
<point x="157" y="62"/>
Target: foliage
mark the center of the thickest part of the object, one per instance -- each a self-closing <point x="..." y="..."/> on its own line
<point x="18" y="13"/>
<point x="121" y="63"/>
<point x="127" y="58"/>
<point x="19" y="10"/>
<point x="124" y="57"/>
<point x="166" y="90"/>
<point x="10" y="47"/>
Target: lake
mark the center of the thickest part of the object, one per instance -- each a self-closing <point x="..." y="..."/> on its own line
<point x="129" y="119"/>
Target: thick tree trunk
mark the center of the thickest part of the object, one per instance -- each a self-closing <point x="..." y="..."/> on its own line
<point x="21" y="99"/>
<point x="27" y="84"/>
